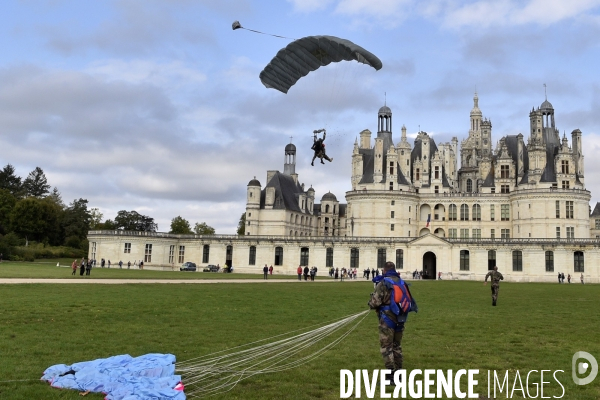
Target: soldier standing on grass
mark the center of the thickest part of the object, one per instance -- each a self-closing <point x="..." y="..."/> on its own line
<point x="496" y="277"/>
<point x="392" y="315"/>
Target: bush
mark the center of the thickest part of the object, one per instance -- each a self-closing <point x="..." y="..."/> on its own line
<point x="73" y="241"/>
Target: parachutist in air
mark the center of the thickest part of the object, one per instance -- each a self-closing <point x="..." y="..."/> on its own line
<point x="319" y="147"/>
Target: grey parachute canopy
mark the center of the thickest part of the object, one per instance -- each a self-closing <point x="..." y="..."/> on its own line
<point x="308" y="54"/>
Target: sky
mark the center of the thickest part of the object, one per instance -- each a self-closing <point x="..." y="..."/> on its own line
<point x="156" y="106"/>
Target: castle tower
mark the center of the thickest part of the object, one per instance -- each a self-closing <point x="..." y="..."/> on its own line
<point x="475" y="117"/>
<point x="289" y="165"/>
<point x="384" y="126"/>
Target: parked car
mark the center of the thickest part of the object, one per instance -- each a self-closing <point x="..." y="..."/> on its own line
<point x="188" y="266"/>
<point x="211" y="268"/>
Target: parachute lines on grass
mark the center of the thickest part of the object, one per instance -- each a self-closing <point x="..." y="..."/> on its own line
<point x="221" y="371"/>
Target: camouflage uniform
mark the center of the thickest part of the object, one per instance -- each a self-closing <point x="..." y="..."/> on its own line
<point x="496" y="277"/>
<point x="389" y="338"/>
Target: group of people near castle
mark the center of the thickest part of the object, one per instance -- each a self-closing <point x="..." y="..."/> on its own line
<point x="561" y="278"/>
<point x="86" y="265"/>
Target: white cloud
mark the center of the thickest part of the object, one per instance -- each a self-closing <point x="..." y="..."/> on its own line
<point x="310" y="5"/>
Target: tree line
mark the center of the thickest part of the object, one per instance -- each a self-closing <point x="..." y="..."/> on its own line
<point x="32" y="213"/>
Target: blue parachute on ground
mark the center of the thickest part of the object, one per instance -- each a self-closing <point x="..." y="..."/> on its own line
<point x="151" y="376"/>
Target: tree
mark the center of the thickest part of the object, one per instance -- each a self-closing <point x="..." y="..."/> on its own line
<point x="7" y="203"/>
<point x="76" y="219"/>
<point x="56" y="198"/>
<point x="203" y="229"/>
<point x="10" y="181"/>
<point x="36" y="184"/>
<point x="133" y="221"/>
<point x="96" y="219"/>
<point x="180" y="226"/>
<point x="241" y="230"/>
<point x="36" y="219"/>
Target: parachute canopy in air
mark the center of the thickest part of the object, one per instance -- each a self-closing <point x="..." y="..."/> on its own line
<point x="304" y="55"/>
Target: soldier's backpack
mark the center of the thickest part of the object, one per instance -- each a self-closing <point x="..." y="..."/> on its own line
<point x="402" y="301"/>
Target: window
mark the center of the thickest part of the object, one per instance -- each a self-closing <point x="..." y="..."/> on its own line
<point x="381" y="258"/>
<point x="436" y="189"/>
<point x="252" y="256"/>
<point x="181" y="254"/>
<point x="493" y="190"/>
<point x="464" y="212"/>
<point x="452" y="212"/>
<point x="391" y="227"/>
<point x="399" y="259"/>
<point x="565" y="166"/>
<point x="558" y="232"/>
<point x="464" y="233"/>
<point x="392" y="215"/>
<point x="394" y="203"/>
<point x="354" y="258"/>
<point x="597" y="223"/>
<point x="464" y="260"/>
<point x="476" y="212"/>
<point x="492" y="212"/>
<point x="327" y="208"/>
<point x="452" y="233"/>
<point x="93" y="250"/>
<point x="391" y="168"/>
<point x="304" y="256"/>
<point x="557" y="209"/>
<point x="476" y="233"/>
<point x="329" y="257"/>
<point x="517" y="257"/>
<point x="205" y="254"/>
<point x="469" y="185"/>
<point x="504" y="172"/>
<point x="436" y="173"/>
<point x="578" y="261"/>
<point x="418" y="174"/>
<point x="127" y="248"/>
<point x="505" y="212"/>
<point x="492" y="234"/>
<point x="278" y="255"/>
<point x="171" y="254"/>
<point x="391" y="185"/>
<point x="491" y="259"/>
<point x="569" y="210"/>
<point x="148" y="253"/>
<point x="549" y="261"/>
<point x="504" y="233"/>
<point x="565" y="184"/>
<point x="504" y="189"/>
<point x="570" y="232"/>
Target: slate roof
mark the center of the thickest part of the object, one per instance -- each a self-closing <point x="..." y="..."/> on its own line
<point x="286" y="193"/>
<point x="596" y="212"/>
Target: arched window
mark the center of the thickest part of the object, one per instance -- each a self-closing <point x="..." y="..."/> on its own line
<point x="252" y="256"/>
<point x="469" y="185"/>
<point x="464" y="212"/>
<point x="578" y="261"/>
<point x="464" y="260"/>
<point x="304" y="256"/>
<point x="476" y="212"/>
<point x="296" y="219"/>
<point x="354" y="258"/>
<point x="549" y="261"/>
<point x="517" y="257"/>
<point x="327" y="208"/>
<point x="399" y="259"/>
<point x="291" y="218"/>
<point x="452" y="212"/>
<point x="205" y="253"/>
<point x="278" y="255"/>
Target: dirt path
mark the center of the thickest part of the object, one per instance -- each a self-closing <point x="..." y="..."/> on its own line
<point x="4" y="281"/>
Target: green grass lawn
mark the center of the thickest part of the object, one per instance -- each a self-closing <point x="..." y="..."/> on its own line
<point x="47" y="269"/>
<point x="535" y="326"/>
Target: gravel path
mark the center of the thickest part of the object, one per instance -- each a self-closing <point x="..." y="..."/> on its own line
<point x="176" y="281"/>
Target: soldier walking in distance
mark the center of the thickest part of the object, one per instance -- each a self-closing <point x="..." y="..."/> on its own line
<point x="392" y="301"/>
<point x="496" y="277"/>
